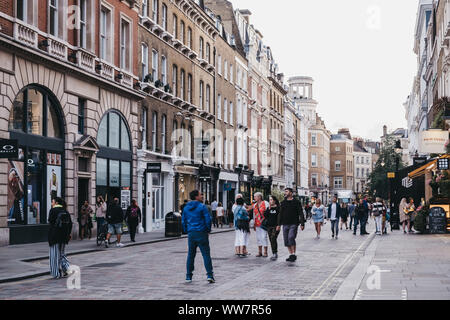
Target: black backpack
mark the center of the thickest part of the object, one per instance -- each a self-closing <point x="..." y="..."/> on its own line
<point x="64" y="223"/>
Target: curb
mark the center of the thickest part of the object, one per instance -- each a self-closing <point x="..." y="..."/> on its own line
<point x="80" y="252"/>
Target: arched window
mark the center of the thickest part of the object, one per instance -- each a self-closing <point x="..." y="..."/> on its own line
<point x="113" y="132"/>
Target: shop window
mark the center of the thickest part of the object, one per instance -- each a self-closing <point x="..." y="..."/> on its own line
<point x="81" y="115"/>
<point x="114" y="173"/>
<point x="102" y="174"/>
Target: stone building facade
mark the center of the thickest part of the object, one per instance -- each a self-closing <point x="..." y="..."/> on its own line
<point x="341" y="163"/>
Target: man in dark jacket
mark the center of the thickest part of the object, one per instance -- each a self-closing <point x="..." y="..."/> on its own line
<point x="196" y="222"/>
<point x="290" y="217"/>
<point x="334" y="214"/>
<point x="361" y="215"/>
<point x="114" y="217"/>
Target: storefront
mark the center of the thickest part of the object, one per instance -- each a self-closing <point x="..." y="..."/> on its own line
<point x="227" y="188"/>
<point x="37" y="175"/>
<point x="245" y="183"/>
<point x="186" y="178"/>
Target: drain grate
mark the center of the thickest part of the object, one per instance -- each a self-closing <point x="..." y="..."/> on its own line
<point x="220" y="259"/>
<point x="106" y="265"/>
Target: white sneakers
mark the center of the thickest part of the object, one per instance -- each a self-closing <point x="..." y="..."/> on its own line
<point x="120" y="245"/>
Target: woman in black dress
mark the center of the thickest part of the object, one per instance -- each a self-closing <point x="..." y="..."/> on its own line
<point x="344" y="215"/>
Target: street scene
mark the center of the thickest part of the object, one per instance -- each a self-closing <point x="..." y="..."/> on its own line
<point x="224" y="150"/>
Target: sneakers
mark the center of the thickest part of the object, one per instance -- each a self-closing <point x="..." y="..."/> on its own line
<point x="120" y="245"/>
<point x="211" y="280"/>
<point x="274" y="257"/>
<point x="188" y="280"/>
<point x="106" y="244"/>
<point x="332" y="236"/>
<point x="336" y="237"/>
<point x="291" y="258"/>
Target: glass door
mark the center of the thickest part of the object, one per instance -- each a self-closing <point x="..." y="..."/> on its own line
<point x="158" y="215"/>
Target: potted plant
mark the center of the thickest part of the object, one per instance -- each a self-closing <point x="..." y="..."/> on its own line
<point x="159" y="84"/>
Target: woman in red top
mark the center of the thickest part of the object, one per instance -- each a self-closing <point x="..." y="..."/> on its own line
<point x="259" y="208"/>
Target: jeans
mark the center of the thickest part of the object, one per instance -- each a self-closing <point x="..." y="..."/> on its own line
<point x="199" y="239"/>
<point x="335" y="227"/>
<point x="352" y="219"/>
<point x="363" y="225"/>
<point x="378" y="221"/>
<point x="273" y="235"/>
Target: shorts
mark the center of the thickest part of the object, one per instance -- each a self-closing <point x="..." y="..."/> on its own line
<point x="115" y="228"/>
<point x="290" y="234"/>
<point x="241" y="238"/>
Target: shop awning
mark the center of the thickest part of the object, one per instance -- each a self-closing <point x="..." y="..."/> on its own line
<point x="426" y="168"/>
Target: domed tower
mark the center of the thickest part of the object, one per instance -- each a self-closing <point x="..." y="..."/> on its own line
<point x="301" y="91"/>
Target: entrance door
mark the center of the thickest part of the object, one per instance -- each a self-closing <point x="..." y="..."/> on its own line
<point x="157" y="201"/>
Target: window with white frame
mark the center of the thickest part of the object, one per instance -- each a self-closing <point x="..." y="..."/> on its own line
<point x="106" y="50"/>
<point x="182" y="87"/>
<point x="189" y="38"/>
<point x="190" y="88"/>
<point x="314" y="160"/>
<point x="219" y="64"/>
<point x="175" y="80"/>
<point x="154" y="132"/>
<point x="125" y="45"/>
<point x="338" y="149"/>
<point x="164" y="70"/>
<point x="314" y="139"/>
<point x="201" y="48"/>
<point x="231" y="73"/>
<point x="219" y="149"/>
<point x="225" y="110"/>
<point x="239" y="111"/>
<point x="155" y="9"/>
<point x="175" y="26"/>
<point x="219" y="107"/>
<point x="225" y="70"/>
<point x="225" y="152"/>
<point x="254" y="90"/>
<point x="57" y="18"/>
<point x="145" y="8"/>
<point x="53" y="17"/>
<point x="182" y="31"/>
<point x="164" y="17"/>
<point x="155" y="63"/>
<point x="357" y="172"/>
<point x="314" y="179"/>
<point x="231" y="153"/>
<point x="208" y="52"/>
<point x="208" y="98"/>
<point x="337" y="165"/>
<point x="200" y="97"/>
<point x="27" y="11"/>
<point x="231" y="113"/>
<point x="144" y="60"/>
<point x="163" y="134"/>
<point x="239" y="77"/>
<point x="83" y="24"/>
<point x="338" y="182"/>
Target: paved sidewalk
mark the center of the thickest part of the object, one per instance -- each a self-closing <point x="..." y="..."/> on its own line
<point x="401" y="266"/>
<point x="16" y="261"/>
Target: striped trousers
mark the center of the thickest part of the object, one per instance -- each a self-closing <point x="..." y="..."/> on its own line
<point x="58" y="260"/>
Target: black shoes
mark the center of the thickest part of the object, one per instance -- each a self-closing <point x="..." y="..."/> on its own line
<point x="292" y="258"/>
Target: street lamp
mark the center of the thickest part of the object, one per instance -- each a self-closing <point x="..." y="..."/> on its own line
<point x="398" y="150"/>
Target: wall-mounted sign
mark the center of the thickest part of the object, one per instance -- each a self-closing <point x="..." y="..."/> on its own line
<point x="154" y="167"/>
<point x="443" y="164"/>
<point x="9" y="149"/>
<point x="433" y="141"/>
<point x="391" y="175"/>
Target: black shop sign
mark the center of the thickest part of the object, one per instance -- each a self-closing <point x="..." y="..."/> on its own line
<point x="438" y="221"/>
<point x="9" y="149"/>
<point x="154" y="167"/>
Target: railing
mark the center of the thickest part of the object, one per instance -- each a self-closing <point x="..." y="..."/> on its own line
<point x="107" y="70"/>
<point x="57" y="49"/>
<point x="86" y="60"/>
<point x="25" y="35"/>
<point x="127" y="79"/>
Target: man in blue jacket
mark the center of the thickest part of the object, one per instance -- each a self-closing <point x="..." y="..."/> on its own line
<point x="334" y="214"/>
<point x="197" y="224"/>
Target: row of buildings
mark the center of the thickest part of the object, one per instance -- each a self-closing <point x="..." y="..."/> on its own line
<point x="423" y="110"/>
<point x="148" y="100"/>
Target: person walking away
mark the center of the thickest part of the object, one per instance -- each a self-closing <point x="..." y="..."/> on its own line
<point x="361" y="214"/>
<point x="114" y="217"/>
<point x="133" y="217"/>
<point x="214" y="206"/>
<point x="377" y="212"/>
<point x="271" y="222"/>
<point x="351" y="213"/>
<point x="405" y="218"/>
<point x="239" y="196"/>
<point x="259" y="208"/>
<point x="334" y="214"/>
<point x="196" y="223"/>
<point x="230" y="214"/>
<point x="59" y="235"/>
<point x="100" y="212"/>
<point x="242" y="227"/>
<point x="220" y="213"/>
<point x="85" y="215"/>
<point x="344" y="216"/>
<point x="291" y="216"/>
<point x="318" y="214"/>
<point x="384" y="217"/>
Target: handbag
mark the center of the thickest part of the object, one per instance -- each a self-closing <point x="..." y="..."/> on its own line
<point x="377" y="213"/>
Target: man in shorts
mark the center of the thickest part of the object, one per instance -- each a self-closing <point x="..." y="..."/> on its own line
<point x="114" y="217"/>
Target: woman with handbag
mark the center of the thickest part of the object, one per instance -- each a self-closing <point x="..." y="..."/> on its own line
<point x="133" y="217"/>
<point x="259" y="208"/>
<point x="242" y="227"/>
<point x="318" y="214"/>
<point x="408" y="212"/>
<point x="270" y="223"/>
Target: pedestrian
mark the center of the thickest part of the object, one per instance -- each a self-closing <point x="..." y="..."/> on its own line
<point x="242" y="227"/>
<point x="220" y="214"/>
<point x="214" y="206"/>
<point x="246" y="253"/>
<point x="271" y="222"/>
<point x="114" y="217"/>
<point x="405" y="218"/>
<point x="208" y="206"/>
<point x="230" y="214"/>
<point x="196" y="222"/>
<point x="183" y="205"/>
<point x="85" y="220"/>
<point x="378" y="210"/>
<point x="384" y="217"/>
<point x="291" y="216"/>
<point x="351" y="213"/>
<point x="318" y="214"/>
<point x="59" y="235"/>
<point x="334" y="214"/>
<point x="100" y="212"/>
<point x="133" y="217"/>
<point x="409" y="212"/>
<point x="344" y="215"/>
<point x="259" y="207"/>
<point x="361" y="214"/>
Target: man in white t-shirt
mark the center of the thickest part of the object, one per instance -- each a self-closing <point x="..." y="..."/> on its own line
<point x="214" y="206"/>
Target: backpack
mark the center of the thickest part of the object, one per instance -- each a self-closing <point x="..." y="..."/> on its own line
<point x="64" y="224"/>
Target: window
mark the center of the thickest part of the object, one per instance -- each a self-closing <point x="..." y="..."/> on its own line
<point x="144" y="127"/>
<point x="200" y="102"/>
<point x="164" y="70"/>
<point x="164" y="17"/>
<point x="155" y="11"/>
<point x="182" y="80"/>
<point x="125" y="45"/>
<point x="144" y="60"/>
<point x="175" y="26"/>
<point x="219" y="64"/>
<point x="105" y="34"/>
<point x="26" y="11"/>
<point x="53" y="17"/>
<point x="190" y="88"/>
<point x="145" y="8"/>
<point x="219" y="107"/>
<point x="155" y="70"/>
<point x="338" y="182"/>
<point x="231" y="73"/>
<point x="225" y="110"/>
<point x="314" y="140"/>
<point x="175" y="80"/>
<point x="208" y="98"/>
<point x="113" y="132"/>
<point x="357" y="172"/>
<point x="338" y="149"/>
<point x="337" y="165"/>
<point x="201" y="48"/>
<point x="163" y="134"/>
<point x="314" y="179"/>
<point x="189" y="38"/>
<point x="225" y="70"/>
<point x="357" y="159"/>
<point x="314" y="160"/>
<point x="81" y="115"/>
<point x="208" y="53"/>
<point x="154" y="133"/>
<point x="83" y="22"/>
<point x="362" y="173"/>
<point x="182" y="31"/>
<point x="231" y="113"/>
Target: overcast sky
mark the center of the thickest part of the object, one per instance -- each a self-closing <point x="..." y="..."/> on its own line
<point x="359" y="52"/>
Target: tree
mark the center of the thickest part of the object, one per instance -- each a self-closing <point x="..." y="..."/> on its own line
<point x="378" y="179"/>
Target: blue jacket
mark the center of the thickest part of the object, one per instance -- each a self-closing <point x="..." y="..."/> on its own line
<point x="338" y="211"/>
<point x="196" y="218"/>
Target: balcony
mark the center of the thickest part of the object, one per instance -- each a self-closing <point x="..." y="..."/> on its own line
<point x="177" y="44"/>
<point x="148" y="22"/>
<point x="210" y="68"/>
<point x="57" y="49"/>
<point x="157" y="29"/>
<point x="86" y="60"/>
<point x="166" y="36"/>
<point x="185" y="49"/>
<point x="106" y="70"/>
<point x="192" y="54"/>
<point x="203" y="62"/>
<point x="25" y="35"/>
<point x="127" y="79"/>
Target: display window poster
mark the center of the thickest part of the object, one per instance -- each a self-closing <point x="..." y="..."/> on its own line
<point x="125" y="199"/>
<point x="16" y="192"/>
<point x="53" y="184"/>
